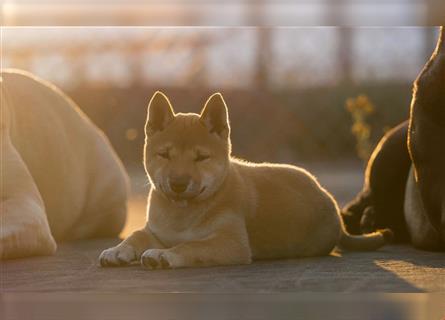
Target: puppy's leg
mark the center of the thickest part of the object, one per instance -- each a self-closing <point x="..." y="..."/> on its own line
<point x="227" y="245"/>
<point x="130" y="249"/>
<point x="24" y="229"/>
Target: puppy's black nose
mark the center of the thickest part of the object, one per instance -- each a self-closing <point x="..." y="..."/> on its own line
<point x="180" y="183"/>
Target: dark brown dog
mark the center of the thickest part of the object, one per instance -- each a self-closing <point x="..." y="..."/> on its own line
<point x="426" y="144"/>
<point x="380" y="204"/>
<point x="420" y="215"/>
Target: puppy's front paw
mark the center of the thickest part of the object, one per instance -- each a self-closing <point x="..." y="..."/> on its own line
<point x="118" y="256"/>
<point x="159" y="259"/>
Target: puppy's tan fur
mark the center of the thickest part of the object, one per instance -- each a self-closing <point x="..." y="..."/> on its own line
<point x="60" y="178"/>
<point x="232" y="211"/>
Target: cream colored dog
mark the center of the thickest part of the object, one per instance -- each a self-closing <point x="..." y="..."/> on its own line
<point x="206" y="208"/>
<point x="60" y="178"/>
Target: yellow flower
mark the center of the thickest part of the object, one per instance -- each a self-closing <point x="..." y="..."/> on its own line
<point x="360" y="104"/>
<point x="359" y="108"/>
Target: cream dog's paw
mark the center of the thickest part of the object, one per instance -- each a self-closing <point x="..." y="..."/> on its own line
<point x="25" y="240"/>
<point x="160" y="259"/>
<point x="118" y="256"/>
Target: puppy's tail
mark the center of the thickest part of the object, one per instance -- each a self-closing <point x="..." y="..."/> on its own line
<point x="365" y="242"/>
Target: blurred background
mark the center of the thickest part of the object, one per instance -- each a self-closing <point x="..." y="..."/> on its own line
<point x="319" y="97"/>
<point x="223" y="13"/>
<point x="289" y="90"/>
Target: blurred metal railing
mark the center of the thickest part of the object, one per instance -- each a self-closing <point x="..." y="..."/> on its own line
<point x="219" y="57"/>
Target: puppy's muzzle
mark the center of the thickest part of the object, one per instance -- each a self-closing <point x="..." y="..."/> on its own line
<point x="179" y="184"/>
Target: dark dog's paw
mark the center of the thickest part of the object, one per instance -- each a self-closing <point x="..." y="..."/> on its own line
<point x="387" y="234"/>
<point x="367" y="222"/>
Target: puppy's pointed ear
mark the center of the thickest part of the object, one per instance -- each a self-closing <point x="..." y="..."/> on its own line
<point x="160" y="113"/>
<point x="215" y="117"/>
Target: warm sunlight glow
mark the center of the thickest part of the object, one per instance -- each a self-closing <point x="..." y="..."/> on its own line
<point x="8" y="10"/>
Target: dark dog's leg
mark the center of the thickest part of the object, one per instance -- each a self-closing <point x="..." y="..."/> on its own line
<point x="422" y="233"/>
<point x="352" y="213"/>
<point x="380" y="203"/>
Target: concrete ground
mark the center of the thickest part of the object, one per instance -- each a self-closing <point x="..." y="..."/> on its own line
<point x="75" y="269"/>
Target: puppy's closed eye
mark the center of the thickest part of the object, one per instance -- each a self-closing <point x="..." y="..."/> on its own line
<point x="201" y="157"/>
<point x="164" y="154"/>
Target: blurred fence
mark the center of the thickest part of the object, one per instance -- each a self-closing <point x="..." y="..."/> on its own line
<point x="286" y="87"/>
<point x="215" y="57"/>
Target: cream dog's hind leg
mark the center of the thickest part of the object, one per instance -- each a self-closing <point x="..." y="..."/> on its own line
<point x="24" y="229"/>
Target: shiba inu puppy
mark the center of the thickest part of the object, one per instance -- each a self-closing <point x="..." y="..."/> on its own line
<point x="60" y="177"/>
<point x="207" y="208"/>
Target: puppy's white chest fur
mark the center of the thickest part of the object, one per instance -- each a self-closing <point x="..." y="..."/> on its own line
<point x="177" y="225"/>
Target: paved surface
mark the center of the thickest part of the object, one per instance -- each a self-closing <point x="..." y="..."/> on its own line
<point x="74" y="269"/>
